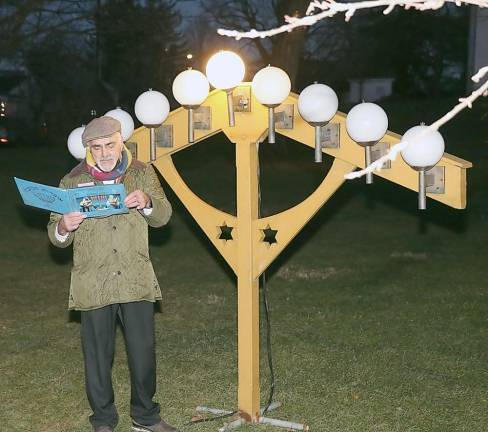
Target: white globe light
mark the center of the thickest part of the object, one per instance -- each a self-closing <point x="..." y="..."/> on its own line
<point x="366" y="122"/>
<point x="75" y="144"/>
<point x="225" y="70"/>
<point x="271" y="85"/>
<point x="425" y="151"/>
<point x="125" y="119"/>
<point x="151" y="108"/>
<point x="190" y="88"/>
<point x="317" y="103"/>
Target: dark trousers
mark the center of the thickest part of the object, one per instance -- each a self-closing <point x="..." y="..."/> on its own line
<point x="98" y="341"/>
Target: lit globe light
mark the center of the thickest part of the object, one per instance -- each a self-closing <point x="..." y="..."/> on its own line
<point x="225" y="70"/>
<point x="125" y="119"/>
<point x="152" y="109"/>
<point x="425" y="151"/>
<point x="75" y="144"/>
<point x="421" y="154"/>
<point x="367" y="123"/>
<point x="190" y="89"/>
<point x="317" y="104"/>
<point x="271" y="86"/>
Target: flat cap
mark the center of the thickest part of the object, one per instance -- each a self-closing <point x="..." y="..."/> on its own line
<point x="100" y="127"/>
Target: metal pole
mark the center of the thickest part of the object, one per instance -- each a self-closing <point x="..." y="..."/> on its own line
<point x="230" y="108"/>
<point x="152" y="142"/>
<point x="369" y="176"/>
<point x="191" y="137"/>
<point x="283" y="424"/>
<point x="271" y="126"/>
<point x="318" y="145"/>
<point x="422" y="193"/>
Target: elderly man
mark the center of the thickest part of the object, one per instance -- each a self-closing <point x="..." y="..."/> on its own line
<point x="112" y="275"/>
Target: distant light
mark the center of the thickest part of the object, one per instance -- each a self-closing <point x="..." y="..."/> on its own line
<point x="189" y="56"/>
<point x="4" y="140"/>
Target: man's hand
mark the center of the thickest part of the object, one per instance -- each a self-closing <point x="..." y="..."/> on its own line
<point x="70" y="222"/>
<point x="138" y="199"/>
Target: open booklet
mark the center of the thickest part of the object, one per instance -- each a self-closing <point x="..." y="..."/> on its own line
<point x="93" y="201"/>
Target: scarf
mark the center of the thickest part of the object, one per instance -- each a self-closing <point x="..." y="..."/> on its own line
<point x="118" y="170"/>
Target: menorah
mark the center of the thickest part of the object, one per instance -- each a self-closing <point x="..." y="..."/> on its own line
<point x="250" y="243"/>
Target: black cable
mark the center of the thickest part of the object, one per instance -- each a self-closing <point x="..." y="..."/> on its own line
<point x="267" y="311"/>
<point x="268" y="342"/>
<point x="209" y="419"/>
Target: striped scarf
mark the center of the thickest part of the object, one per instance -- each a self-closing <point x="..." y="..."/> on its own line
<point x="116" y="173"/>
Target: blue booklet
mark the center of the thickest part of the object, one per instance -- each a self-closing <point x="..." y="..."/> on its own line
<point x="93" y="201"/>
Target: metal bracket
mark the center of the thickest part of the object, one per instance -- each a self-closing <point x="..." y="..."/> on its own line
<point x="242" y="99"/>
<point x="435" y="180"/>
<point x="132" y="147"/>
<point x="202" y="118"/>
<point x="237" y="421"/>
<point x="283" y="117"/>
<point x="379" y="150"/>
<point x="330" y="136"/>
<point x="164" y="136"/>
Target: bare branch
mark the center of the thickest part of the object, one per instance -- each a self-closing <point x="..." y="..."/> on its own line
<point x="466" y="102"/>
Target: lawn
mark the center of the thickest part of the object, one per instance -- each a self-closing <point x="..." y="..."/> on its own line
<point x="379" y="311"/>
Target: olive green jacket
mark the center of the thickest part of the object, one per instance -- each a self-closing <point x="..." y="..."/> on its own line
<point x="111" y="255"/>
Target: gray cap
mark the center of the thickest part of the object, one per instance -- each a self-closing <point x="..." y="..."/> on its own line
<point x="100" y="127"/>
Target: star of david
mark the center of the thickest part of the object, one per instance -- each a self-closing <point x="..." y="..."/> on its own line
<point x="225" y="232"/>
<point x="269" y="235"/>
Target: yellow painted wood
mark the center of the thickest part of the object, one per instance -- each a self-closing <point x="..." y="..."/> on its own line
<point x="247" y="284"/>
<point x="247" y="254"/>
<point x="208" y="218"/>
<point x="290" y="222"/>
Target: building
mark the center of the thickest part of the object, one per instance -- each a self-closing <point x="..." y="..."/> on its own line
<point x="369" y="89"/>
<point x="478" y="42"/>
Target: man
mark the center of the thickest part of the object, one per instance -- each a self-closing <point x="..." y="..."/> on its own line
<point x="112" y="275"/>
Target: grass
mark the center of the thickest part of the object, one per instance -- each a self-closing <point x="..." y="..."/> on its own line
<point x="380" y="313"/>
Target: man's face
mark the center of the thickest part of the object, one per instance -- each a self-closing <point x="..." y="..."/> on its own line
<point x="106" y="151"/>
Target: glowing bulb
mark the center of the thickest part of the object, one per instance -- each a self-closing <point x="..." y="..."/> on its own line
<point x="271" y="85"/>
<point x="190" y="88"/>
<point x="225" y="70"/>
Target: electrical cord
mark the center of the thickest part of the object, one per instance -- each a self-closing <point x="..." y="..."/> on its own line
<point x="209" y="419"/>
<point x="269" y="351"/>
<point x="267" y="312"/>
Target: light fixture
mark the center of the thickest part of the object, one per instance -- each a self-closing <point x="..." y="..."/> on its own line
<point x="271" y="86"/>
<point x="190" y="89"/>
<point x="225" y="71"/>
<point x="125" y="119"/>
<point x="152" y="109"/>
<point x="317" y="104"/>
<point x="422" y="154"/>
<point x="75" y="143"/>
<point x="366" y="124"/>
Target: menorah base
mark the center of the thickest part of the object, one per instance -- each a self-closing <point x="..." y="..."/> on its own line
<point x="239" y="421"/>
